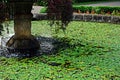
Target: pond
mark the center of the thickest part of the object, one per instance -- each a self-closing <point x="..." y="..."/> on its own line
<point x="46" y="44"/>
<point x="88" y="51"/>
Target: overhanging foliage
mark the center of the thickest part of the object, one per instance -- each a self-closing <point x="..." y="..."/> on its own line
<point x="57" y="10"/>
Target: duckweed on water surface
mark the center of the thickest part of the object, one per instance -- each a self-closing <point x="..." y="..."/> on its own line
<point x="92" y="52"/>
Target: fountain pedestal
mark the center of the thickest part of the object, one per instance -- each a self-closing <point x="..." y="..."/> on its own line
<point x="22" y="40"/>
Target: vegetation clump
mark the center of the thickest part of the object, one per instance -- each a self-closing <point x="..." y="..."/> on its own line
<point x="97" y="10"/>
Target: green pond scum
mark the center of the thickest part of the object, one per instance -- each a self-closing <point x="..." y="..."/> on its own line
<point x="92" y="52"/>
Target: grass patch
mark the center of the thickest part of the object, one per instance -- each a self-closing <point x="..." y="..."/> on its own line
<point x="43" y="10"/>
<point x="92" y="54"/>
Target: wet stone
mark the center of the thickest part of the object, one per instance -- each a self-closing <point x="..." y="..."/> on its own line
<point x="88" y="17"/>
<point x="97" y="18"/>
<point x="107" y="18"/>
<point x="78" y="17"/>
<point x="115" y="19"/>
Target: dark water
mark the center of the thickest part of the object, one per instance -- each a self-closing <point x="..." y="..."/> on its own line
<point x="47" y="46"/>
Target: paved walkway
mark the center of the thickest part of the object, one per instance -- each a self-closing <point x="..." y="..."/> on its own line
<point x="116" y="3"/>
<point x="36" y="9"/>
